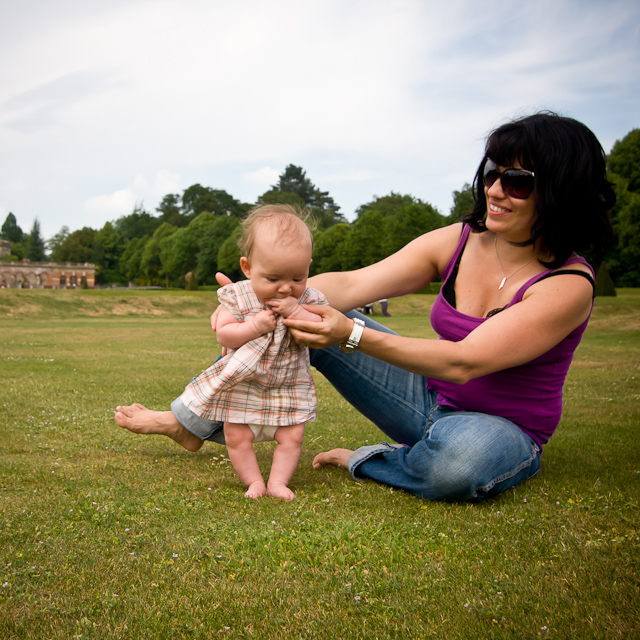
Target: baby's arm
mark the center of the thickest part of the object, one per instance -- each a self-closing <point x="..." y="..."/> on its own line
<point x="289" y="308"/>
<point x="233" y="333"/>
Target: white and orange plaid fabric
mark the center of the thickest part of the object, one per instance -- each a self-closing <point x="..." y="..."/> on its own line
<point x="266" y="381"/>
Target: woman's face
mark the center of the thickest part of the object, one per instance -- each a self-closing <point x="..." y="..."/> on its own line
<point x="510" y="217"/>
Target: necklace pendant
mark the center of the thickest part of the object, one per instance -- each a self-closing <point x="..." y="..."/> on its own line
<point x="502" y="283"/>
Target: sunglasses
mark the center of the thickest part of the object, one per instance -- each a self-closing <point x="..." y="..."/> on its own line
<point x="517" y="183"/>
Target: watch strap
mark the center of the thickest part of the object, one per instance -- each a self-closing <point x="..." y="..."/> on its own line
<point x="354" y="339"/>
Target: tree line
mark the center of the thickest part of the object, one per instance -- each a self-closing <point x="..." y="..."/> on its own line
<point x="195" y="233"/>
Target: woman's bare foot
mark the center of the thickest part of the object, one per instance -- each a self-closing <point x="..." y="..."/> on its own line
<point x="336" y="457"/>
<point x="139" y="419"/>
<point x="280" y="490"/>
<point x="256" y="490"/>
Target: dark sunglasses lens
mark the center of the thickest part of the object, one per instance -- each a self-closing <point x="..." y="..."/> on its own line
<point x="517" y="184"/>
<point x="490" y="173"/>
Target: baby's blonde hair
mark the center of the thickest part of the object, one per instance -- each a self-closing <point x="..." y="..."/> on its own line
<point x="285" y="218"/>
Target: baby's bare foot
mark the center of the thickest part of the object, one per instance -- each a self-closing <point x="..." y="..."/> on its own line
<point x="256" y="490"/>
<point x="335" y="457"/>
<point x="139" y="419"/>
<point x="280" y="490"/>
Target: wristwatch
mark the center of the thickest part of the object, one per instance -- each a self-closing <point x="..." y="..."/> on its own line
<point x="354" y="339"/>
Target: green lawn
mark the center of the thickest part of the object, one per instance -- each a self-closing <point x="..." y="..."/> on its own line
<point x="108" y="535"/>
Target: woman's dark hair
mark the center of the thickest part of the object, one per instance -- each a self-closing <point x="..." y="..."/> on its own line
<point x="572" y="194"/>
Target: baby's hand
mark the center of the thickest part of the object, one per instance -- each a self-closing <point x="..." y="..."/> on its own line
<point x="284" y="307"/>
<point x="264" y="321"/>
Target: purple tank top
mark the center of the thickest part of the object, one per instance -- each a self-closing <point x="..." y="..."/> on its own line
<point x="529" y="395"/>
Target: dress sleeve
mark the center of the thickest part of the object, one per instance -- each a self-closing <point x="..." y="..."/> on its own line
<point x="313" y="296"/>
<point x="228" y="296"/>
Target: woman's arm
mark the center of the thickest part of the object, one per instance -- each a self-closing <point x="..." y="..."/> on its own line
<point x="548" y="313"/>
<point x="406" y="271"/>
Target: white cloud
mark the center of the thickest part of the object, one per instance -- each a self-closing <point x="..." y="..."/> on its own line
<point x="263" y="178"/>
<point x="119" y="203"/>
<point x="135" y="99"/>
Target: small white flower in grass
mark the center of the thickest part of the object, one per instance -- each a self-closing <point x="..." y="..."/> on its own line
<point x="357" y="598"/>
<point x="126" y="530"/>
<point x="5" y="585"/>
<point x="132" y="553"/>
<point x="175" y="555"/>
<point x="544" y="628"/>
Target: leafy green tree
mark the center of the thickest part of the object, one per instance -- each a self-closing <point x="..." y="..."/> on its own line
<point x="137" y="224"/>
<point x="107" y="249"/>
<point x="179" y="252"/>
<point x="624" y="160"/>
<point x="54" y="244"/>
<point x="35" y="244"/>
<point x="150" y="261"/>
<point x="402" y="218"/>
<point x="197" y="199"/>
<point x="366" y="241"/>
<point x="169" y="210"/>
<point x="209" y="245"/>
<point x="330" y="248"/>
<point x="229" y="259"/>
<point x="623" y="262"/>
<point x="463" y="202"/>
<point x="131" y="261"/>
<point x="294" y="182"/>
<point x="10" y="230"/>
<point x="77" y="246"/>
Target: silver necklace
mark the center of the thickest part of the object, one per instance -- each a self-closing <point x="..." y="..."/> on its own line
<point x="505" y="278"/>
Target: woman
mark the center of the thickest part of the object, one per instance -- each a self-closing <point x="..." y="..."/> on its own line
<point x="471" y="410"/>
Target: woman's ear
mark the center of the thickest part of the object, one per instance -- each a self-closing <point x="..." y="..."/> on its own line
<point x="246" y="268"/>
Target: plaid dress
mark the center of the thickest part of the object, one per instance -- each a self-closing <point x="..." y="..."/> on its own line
<point x="264" y="382"/>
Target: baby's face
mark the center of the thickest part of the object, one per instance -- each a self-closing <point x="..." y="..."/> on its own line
<point x="277" y="272"/>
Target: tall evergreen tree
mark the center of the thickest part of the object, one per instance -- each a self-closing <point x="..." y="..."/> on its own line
<point x="10" y="230"/>
<point x="295" y="188"/>
<point x="36" y="246"/>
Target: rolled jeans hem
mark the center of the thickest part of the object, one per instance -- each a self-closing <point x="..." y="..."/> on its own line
<point x="212" y="430"/>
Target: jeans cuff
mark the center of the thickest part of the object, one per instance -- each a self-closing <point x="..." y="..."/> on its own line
<point x="364" y="453"/>
<point x="201" y="427"/>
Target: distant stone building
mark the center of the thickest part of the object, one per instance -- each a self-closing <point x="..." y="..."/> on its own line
<point x="46" y="275"/>
<point x="5" y="248"/>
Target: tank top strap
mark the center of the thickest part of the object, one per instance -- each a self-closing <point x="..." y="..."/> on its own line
<point x="546" y="274"/>
<point x="457" y="253"/>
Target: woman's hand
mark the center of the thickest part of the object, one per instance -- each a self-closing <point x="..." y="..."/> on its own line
<point x="332" y="328"/>
<point x="222" y="281"/>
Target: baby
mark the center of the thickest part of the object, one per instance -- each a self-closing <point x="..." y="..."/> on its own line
<point x="262" y="387"/>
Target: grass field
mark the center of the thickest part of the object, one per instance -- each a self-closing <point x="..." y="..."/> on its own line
<point x="109" y="535"/>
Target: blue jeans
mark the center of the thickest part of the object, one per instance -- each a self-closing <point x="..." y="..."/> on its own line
<point x="443" y="454"/>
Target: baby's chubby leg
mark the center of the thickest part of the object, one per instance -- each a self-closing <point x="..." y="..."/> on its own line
<point x="239" y="441"/>
<point x="285" y="460"/>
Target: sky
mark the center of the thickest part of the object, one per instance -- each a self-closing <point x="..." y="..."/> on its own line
<point x="109" y="104"/>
